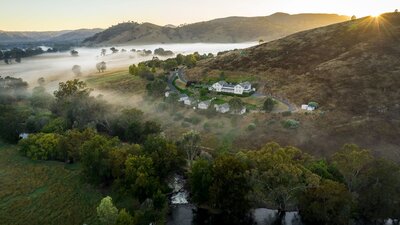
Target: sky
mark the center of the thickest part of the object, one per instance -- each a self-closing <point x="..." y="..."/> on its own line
<point x="49" y="15"/>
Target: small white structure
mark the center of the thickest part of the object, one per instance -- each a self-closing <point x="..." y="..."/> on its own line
<point x="23" y="135"/>
<point x="310" y="108"/>
<point x="204" y="104"/>
<point x="239" y="89"/>
<point x="243" y="111"/>
<point x="167" y="93"/>
<point x="182" y="97"/>
<point x="224" y="108"/>
<point x="189" y="101"/>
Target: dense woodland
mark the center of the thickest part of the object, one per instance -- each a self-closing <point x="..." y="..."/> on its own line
<point x="121" y="152"/>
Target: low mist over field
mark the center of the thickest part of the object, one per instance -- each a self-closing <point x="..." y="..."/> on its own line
<point x="56" y="67"/>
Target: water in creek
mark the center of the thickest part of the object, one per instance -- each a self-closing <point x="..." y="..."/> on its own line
<point x="184" y="213"/>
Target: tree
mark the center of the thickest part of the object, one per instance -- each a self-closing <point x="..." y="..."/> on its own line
<point x="140" y="177"/>
<point x="74" y="52"/>
<point x="269" y="105"/>
<point x="76" y="69"/>
<point x="41" y="81"/>
<point x="165" y="155"/>
<point x="95" y="158"/>
<point x="107" y="213"/>
<point x="350" y="160"/>
<point x="278" y="175"/>
<point x="260" y="41"/>
<point x="396" y="11"/>
<point x="200" y="179"/>
<point x="353" y="17"/>
<point x="236" y="104"/>
<point x="114" y="50"/>
<point x="103" y="52"/>
<point x="41" y="98"/>
<point x="71" y="88"/>
<point x="170" y="64"/>
<point x="190" y="144"/>
<point x="133" y="70"/>
<point x="124" y="218"/>
<point x="156" y="88"/>
<point x="230" y="187"/>
<point x="101" y="66"/>
<point x="330" y="203"/>
<point x="378" y="193"/>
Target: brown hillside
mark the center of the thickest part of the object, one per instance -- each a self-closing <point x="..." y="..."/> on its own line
<point x="351" y="69"/>
<point x="224" y="30"/>
<point x="352" y="66"/>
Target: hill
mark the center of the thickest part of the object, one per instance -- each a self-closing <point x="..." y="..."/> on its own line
<point x="351" y="69"/>
<point x="11" y="37"/>
<point x="225" y="30"/>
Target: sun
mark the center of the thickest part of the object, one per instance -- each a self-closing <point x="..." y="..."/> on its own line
<point x="375" y="15"/>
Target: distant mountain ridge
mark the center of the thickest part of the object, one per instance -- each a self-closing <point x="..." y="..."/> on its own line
<point x="223" y="30"/>
<point x="10" y="37"/>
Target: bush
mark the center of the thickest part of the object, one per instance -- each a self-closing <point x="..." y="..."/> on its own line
<point x="286" y="113"/>
<point x="290" y="124"/>
<point x="41" y="146"/>
<point x="251" y="126"/>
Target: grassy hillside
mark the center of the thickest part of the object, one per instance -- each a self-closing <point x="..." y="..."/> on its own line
<point x="351" y="69"/>
<point x="43" y="192"/>
<point x="225" y="30"/>
<point x="352" y="66"/>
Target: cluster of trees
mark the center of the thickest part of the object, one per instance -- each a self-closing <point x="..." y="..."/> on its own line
<point x="351" y="186"/>
<point x="162" y="52"/>
<point x="156" y="86"/>
<point x="180" y="60"/>
<point x="17" y="54"/>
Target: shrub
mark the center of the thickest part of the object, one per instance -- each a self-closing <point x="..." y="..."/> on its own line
<point x="286" y="113"/>
<point x="251" y="126"/>
<point x="313" y="104"/>
<point x="290" y="124"/>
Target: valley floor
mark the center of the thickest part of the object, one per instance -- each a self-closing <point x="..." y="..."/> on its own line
<point x="37" y="192"/>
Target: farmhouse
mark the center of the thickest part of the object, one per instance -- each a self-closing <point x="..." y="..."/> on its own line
<point x="239" y="89"/>
<point x="224" y="108"/>
<point x="204" y="104"/>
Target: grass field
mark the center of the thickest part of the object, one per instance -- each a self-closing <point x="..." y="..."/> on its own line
<point x="36" y="192"/>
<point x="117" y="80"/>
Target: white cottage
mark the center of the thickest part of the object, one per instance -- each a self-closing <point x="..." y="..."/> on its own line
<point x="189" y="101"/>
<point x="224" y="108"/>
<point x="204" y="104"/>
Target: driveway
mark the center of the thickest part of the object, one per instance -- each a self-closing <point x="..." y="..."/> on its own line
<point x="291" y="107"/>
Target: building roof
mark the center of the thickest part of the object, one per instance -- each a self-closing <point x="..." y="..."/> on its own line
<point x="207" y="103"/>
<point x="224" y="106"/>
<point x="245" y="85"/>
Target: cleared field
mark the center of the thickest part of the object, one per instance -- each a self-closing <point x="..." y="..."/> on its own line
<point x="36" y="192"/>
<point x="117" y="80"/>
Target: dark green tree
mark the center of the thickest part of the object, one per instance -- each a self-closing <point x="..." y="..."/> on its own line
<point x="330" y="203"/>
